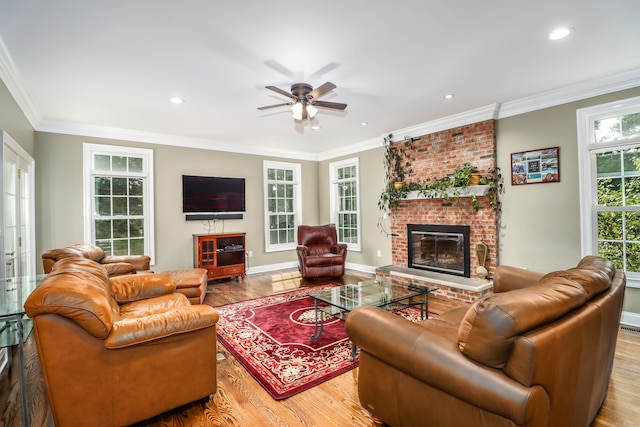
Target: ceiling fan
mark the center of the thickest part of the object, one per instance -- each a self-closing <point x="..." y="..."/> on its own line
<point x="304" y="99"/>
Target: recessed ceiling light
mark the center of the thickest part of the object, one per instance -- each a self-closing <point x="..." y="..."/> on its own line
<point x="177" y="100"/>
<point x="364" y="124"/>
<point x="448" y="96"/>
<point x="560" y="33"/>
<point x="315" y="127"/>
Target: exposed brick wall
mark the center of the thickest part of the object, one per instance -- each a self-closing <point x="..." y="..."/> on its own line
<point x="437" y="155"/>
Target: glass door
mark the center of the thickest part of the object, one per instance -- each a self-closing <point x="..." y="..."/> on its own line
<point x="18" y="251"/>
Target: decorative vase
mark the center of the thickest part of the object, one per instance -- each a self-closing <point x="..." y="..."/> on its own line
<point x="474" y="179"/>
<point x="398" y="185"/>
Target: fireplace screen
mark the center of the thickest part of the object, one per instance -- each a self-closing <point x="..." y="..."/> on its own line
<point x="440" y="248"/>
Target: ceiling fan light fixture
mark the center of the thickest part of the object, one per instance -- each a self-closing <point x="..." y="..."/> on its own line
<point x="296" y="109"/>
<point x="312" y="111"/>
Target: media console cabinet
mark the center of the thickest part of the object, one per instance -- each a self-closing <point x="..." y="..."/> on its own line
<point x="222" y="255"/>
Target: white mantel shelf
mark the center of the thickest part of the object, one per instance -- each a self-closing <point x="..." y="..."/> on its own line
<point x="473" y="190"/>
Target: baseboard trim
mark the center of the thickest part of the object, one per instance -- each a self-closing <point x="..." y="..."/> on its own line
<point x="630" y="319"/>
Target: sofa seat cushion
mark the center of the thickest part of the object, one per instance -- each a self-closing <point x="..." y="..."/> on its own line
<point x="147" y="307"/>
<point x="491" y="325"/>
<point x="119" y="269"/>
<point x="323" y="260"/>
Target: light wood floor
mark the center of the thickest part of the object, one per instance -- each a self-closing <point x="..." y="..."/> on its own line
<point x="240" y="401"/>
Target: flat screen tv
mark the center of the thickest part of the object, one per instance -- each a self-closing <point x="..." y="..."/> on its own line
<point x="208" y="194"/>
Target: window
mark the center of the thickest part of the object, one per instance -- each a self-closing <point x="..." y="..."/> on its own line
<point x="609" y="138"/>
<point x="283" y="205"/>
<point x="119" y="199"/>
<point x="345" y="202"/>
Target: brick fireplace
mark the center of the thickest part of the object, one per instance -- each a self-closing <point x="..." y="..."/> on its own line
<point x="437" y="155"/>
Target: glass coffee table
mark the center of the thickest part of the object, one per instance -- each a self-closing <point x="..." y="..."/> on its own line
<point x="385" y="293"/>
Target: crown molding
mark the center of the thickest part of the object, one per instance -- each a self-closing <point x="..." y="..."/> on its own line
<point x="105" y="132"/>
<point x="575" y="92"/>
<point x="15" y="84"/>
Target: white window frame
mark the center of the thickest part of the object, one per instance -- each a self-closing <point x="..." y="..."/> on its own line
<point x="89" y="151"/>
<point x="587" y="147"/>
<point x="334" y="182"/>
<point x="297" y="203"/>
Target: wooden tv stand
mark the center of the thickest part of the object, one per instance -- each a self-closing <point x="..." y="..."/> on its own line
<point x="222" y="255"/>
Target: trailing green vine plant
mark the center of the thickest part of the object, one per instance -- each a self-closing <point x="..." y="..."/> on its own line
<point x="397" y="164"/>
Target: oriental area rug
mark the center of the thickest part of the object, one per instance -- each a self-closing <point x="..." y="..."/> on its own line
<point x="271" y="338"/>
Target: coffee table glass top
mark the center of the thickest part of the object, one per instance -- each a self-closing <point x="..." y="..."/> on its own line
<point x="378" y="293"/>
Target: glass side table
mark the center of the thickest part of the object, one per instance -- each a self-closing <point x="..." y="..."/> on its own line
<point x="14" y="328"/>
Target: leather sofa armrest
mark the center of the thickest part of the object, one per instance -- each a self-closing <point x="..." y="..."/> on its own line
<point x="302" y="250"/>
<point x="129" y="332"/>
<point x="339" y="248"/>
<point x="507" y="278"/>
<point x="140" y="262"/>
<point x="134" y="287"/>
<point x="420" y="351"/>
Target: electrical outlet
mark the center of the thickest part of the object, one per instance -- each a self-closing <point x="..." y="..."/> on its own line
<point x="379" y="253"/>
<point x="250" y="254"/>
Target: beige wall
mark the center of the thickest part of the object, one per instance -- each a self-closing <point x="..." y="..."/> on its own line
<point x="14" y="122"/>
<point x="59" y="197"/>
<point x="372" y="178"/>
<point x="540" y="223"/>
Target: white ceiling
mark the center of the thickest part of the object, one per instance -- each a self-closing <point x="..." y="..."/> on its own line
<point x="110" y="67"/>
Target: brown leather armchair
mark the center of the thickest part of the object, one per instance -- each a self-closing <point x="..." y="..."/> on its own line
<point x="118" y="351"/>
<point x="115" y="265"/>
<point x="319" y="253"/>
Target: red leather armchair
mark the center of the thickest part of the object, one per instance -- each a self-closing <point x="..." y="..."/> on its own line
<point x="319" y="253"/>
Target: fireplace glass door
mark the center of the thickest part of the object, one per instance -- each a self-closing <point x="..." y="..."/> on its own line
<point x="441" y="250"/>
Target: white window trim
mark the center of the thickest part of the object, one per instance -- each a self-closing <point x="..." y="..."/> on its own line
<point x="333" y="207"/>
<point x="88" y="151"/>
<point x="297" y="187"/>
<point x="586" y="118"/>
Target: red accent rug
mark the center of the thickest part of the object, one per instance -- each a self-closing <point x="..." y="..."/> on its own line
<point x="271" y="338"/>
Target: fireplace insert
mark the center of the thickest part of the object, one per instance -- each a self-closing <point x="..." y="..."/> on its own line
<point x="439" y="248"/>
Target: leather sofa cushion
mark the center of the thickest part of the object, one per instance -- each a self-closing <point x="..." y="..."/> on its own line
<point x="324" y="259"/>
<point x="134" y="287"/>
<point x="593" y="273"/>
<point x="92" y="252"/>
<point x="119" y="269"/>
<point x="491" y="325"/>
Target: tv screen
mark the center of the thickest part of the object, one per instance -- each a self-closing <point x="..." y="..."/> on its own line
<point x="212" y="194"/>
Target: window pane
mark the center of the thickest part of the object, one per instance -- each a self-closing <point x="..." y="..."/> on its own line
<point x="610" y="192"/>
<point x="136" y="228"/>
<point x="136" y="206"/>
<point x="103" y="206"/>
<point x="632" y="222"/>
<point x="120" y="186"/>
<point x="135" y="164"/>
<point x="106" y="246"/>
<point x="102" y="162"/>
<point x="137" y="246"/>
<point x="609" y="225"/>
<point x="632" y="191"/>
<point x="119" y="206"/>
<point x="119" y="163"/>
<point x="613" y="252"/>
<point x="135" y="187"/>
<point x="121" y="247"/>
<point x="102" y="186"/>
<point x="120" y="228"/>
<point x="633" y="257"/>
<point x="103" y="229"/>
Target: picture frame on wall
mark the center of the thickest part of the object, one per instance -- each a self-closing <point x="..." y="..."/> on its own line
<point x="535" y="166"/>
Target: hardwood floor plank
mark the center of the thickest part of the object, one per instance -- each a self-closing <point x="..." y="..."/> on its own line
<point x="241" y="401"/>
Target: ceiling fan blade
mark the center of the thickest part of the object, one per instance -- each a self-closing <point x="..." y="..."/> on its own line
<point x="275" y="105"/>
<point x="282" y="92"/>
<point x="332" y="105"/>
<point x="321" y="90"/>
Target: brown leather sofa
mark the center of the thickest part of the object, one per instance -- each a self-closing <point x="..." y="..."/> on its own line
<point x="537" y="352"/>
<point x="115" y="265"/>
<point x="121" y="350"/>
<point x="319" y="253"/>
